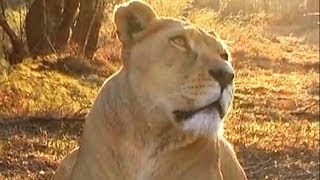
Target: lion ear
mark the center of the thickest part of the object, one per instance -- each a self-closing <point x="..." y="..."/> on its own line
<point x="131" y="18"/>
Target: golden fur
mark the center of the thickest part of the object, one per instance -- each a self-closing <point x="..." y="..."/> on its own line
<point x="139" y="127"/>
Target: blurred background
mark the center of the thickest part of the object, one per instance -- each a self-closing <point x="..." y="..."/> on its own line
<point x="45" y="26"/>
<point x="55" y="54"/>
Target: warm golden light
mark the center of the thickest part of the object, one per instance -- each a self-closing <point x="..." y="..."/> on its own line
<point x="44" y="97"/>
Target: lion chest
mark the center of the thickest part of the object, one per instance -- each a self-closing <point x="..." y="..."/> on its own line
<point x="174" y="166"/>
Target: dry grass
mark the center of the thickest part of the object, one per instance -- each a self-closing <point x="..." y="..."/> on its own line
<point x="274" y="124"/>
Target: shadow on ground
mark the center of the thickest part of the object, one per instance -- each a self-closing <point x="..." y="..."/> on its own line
<point x="287" y="164"/>
<point x="283" y="65"/>
<point x="29" y="147"/>
<point x="19" y="156"/>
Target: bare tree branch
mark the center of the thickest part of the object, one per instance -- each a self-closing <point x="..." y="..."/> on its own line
<point x="18" y="52"/>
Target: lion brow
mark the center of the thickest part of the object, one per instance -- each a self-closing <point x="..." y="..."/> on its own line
<point x="156" y="27"/>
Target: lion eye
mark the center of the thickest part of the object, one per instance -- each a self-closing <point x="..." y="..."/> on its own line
<point x="224" y="56"/>
<point x="180" y="42"/>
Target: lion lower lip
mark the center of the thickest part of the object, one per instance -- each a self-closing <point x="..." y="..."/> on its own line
<point x="184" y="115"/>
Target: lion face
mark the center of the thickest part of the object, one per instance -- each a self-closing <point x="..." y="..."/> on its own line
<point x="176" y="67"/>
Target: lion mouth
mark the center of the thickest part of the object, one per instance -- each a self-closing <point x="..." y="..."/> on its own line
<point x="185" y="115"/>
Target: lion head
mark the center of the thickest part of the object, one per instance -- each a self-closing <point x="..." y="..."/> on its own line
<point x="176" y="67"/>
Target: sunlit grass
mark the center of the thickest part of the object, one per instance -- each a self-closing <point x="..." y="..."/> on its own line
<point x="277" y="77"/>
<point x="33" y="90"/>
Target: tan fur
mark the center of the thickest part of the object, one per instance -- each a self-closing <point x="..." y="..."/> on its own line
<point x="131" y="132"/>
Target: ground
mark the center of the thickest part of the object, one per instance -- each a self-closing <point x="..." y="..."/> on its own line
<point x="274" y="123"/>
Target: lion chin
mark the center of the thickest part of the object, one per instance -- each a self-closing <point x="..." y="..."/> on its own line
<point x="204" y="121"/>
<point x="207" y="122"/>
<point x="208" y="119"/>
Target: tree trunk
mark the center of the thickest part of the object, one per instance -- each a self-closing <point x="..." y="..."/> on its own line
<point x="312" y="6"/>
<point x="42" y="23"/>
<point x="266" y="6"/>
<point x="17" y="53"/>
<point x="86" y="32"/>
<point x="68" y="16"/>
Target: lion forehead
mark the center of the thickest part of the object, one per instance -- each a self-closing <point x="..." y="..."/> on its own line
<point x="160" y="26"/>
<point x="197" y="37"/>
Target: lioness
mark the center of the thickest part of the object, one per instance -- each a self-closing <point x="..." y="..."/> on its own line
<point x="159" y="117"/>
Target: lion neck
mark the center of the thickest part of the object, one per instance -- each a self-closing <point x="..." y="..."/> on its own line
<point x="147" y="128"/>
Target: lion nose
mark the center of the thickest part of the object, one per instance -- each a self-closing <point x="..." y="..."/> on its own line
<point x="223" y="76"/>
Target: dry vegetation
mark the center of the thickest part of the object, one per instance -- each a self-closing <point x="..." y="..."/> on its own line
<point x="274" y="124"/>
